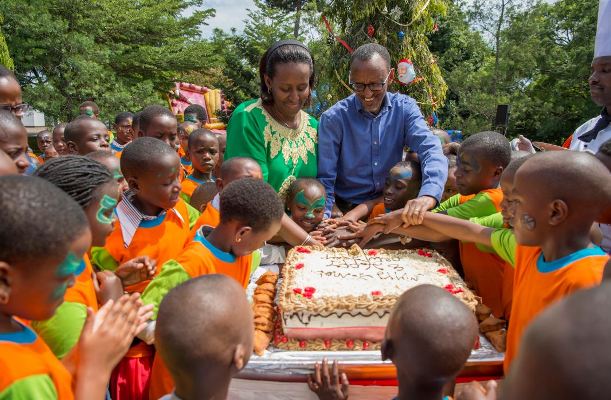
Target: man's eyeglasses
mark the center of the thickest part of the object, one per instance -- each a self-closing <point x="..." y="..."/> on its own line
<point x="18" y="109"/>
<point x="374" y="87"/>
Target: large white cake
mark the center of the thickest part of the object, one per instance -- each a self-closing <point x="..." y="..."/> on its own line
<point x="338" y="294"/>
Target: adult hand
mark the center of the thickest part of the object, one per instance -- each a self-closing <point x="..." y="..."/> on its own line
<point x="107" y="286"/>
<point x="366" y="235"/>
<point x="477" y="391"/>
<point x="328" y="386"/>
<point x="136" y="270"/>
<point x="414" y="210"/>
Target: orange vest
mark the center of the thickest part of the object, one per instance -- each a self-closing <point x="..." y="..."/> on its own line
<point x="534" y="290"/>
<point x="161" y="240"/>
<point x="379" y="209"/>
<point x="491" y="276"/>
<point x="209" y="217"/>
<point x="83" y="290"/>
<point x="189" y="185"/>
<point x="21" y="360"/>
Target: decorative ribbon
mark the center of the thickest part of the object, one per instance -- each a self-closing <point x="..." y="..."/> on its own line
<point x="340" y="40"/>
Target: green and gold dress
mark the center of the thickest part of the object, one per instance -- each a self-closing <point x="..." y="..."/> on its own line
<point x="284" y="154"/>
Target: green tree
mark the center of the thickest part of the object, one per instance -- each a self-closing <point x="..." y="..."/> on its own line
<point x="120" y="53"/>
<point x="291" y="6"/>
<point x="5" y="57"/>
<point x="402" y="26"/>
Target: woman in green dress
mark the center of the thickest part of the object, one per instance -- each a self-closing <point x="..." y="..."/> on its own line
<point x="274" y="130"/>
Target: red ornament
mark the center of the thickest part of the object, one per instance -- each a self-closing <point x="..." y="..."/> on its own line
<point x="309" y="289"/>
<point x="284" y="339"/>
<point x="372" y="252"/>
<point x="303" y="250"/>
<point x="365" y="345"/>
<point x="376" y="293"/>
<point x="299" y="266"/>
<point x="297" y="290"/>
<point x="370" y="30"/>
<point x="327" y="343"/>
<point x="350" y="343"/>
<point x="302" y="344"/>
<point x="307" y="295"/>
<point x="442" y="270"/>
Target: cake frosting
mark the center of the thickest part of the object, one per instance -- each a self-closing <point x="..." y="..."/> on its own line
<point x="339" y="294"/>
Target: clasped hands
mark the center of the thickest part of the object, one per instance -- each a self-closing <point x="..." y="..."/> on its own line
<point x="344" y="232"/>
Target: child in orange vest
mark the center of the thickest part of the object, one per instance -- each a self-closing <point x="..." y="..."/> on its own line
<point x="184" y="130"/>
<point x="250" y="215"/>
<point x="203" y="151"/>
<point x="215" y="341"/>
<point x="232" y="170"/>
<point x="551" y="247"/>
<point x="35" y="275"/>
<point x="151" y="220"/>
<point x="93" y="187"/>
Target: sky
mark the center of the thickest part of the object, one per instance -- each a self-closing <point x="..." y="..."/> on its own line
<point x="229" y="14"/>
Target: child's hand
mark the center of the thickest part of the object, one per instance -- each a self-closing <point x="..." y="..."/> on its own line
<point x="136" y="270"/>
<point x="475" y="391"/>
<point x="319" y="237"/>
<point x="107" y="286"/>
<point x="105" y="339"/>
<point x="327" y="387"/>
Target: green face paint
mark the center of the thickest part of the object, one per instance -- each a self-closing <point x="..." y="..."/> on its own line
<point x="117" y="175"/>
<point x="190" y="118"/>
<point x="316" y="204"/>
<point x="107" y="203"/>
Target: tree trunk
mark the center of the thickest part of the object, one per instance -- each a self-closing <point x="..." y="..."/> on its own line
<point x="497" y="38"/>
<point x="297" y="19"/>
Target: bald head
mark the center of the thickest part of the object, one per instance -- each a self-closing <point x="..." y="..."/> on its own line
<point x="240" y="167"/>
<point x="578" y="178"/>
<point x="205" y="324"/>
<point x="568" y="349"/>
<point x="430" y="335"/>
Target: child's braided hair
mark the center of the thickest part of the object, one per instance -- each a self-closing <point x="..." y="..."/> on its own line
<point x="78" y="176"/>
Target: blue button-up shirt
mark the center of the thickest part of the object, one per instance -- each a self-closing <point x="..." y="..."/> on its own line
<point x="357" y="149"/>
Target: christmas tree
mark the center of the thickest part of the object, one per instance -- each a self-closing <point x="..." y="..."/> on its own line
<point x="402" y="26"/>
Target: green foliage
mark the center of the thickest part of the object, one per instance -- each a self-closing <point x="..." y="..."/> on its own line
<point x="416" y="18"/>
<point x="5" y="57"/>
<point x="120" y="53"/>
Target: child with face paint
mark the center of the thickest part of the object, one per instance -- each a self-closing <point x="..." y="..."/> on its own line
<point x="151" y="220"/>
<point x="93" y="187"/>
<point x="425" y="362"/>
<point x="305" y="203"/>
<point x="34" y="277"/>
<point x="555" y="224"/>
<point x="402" y="184"/>
<point x="203" y="151"/>
<point x="250" y="215"/>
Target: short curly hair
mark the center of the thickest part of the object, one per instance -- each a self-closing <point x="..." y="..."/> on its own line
<point x="493" y="146"/>
<point x="251" y="201"/>
<point x="142" y="155"/>
<point x="151" y="112"/>
<point x="28" y="202"/>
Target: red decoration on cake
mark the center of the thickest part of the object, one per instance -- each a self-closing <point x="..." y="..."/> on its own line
<point x="449" y="287"/>
<point x="302" y="344"/>
<point x="309" y="289"/>
<point x="442" y="270"/>
<point x="307" y="295"/>
<point x="327" y="343"/>
<point x="297" y="290"/>
<point x="284" y="339"/>
<point x="350" y="343"/>
<point x="299" y="266"/>
<point x="372" y="252"/>
<point x="303" y="250"/>
<point x="365" y="345"/>
<point x="376" y="293"/>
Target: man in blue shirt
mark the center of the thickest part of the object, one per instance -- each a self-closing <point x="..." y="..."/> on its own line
<point x="363" y="136"/>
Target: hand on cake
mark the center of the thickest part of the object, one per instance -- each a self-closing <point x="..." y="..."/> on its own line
<point x="414" y="210"/>
<point x="477" y="391"/>
<point x="328" y="386"/>
<point x="344" y="233"/>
